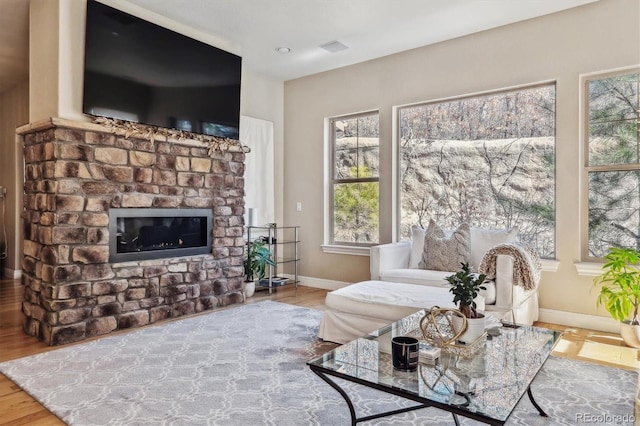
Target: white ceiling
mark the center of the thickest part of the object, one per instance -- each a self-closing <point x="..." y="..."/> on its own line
<point x="371" y="28"/>
<point x="255" y="28"/>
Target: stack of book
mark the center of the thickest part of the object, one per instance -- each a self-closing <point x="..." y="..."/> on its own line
<point x="275" y="281"/>
<point x="428" y="353"/>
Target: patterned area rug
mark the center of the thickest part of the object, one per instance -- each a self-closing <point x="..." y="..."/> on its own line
<point x="247" y="366"/>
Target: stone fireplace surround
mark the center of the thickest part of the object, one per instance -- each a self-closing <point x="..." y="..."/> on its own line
<point x="74" y="173"/>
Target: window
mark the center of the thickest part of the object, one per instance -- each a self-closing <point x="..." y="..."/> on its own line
<point x="488" y="160"/>
<point x="354" y="179"/>
<point x="612" y="161"/>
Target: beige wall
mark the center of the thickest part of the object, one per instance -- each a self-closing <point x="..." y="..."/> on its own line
<point x="599" y="36"/>
<point x="43" y="59"/>
<point x="14" y="111"/>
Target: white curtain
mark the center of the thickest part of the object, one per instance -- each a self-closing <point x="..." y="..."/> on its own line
<point x="259" y="174"/>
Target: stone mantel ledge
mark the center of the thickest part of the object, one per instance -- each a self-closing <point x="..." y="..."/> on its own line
<point x="53" y="122"/>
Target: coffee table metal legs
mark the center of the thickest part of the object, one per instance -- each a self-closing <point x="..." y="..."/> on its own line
<point x="531" y="398"/>
<point x="355" y="419"/>
<point x="352" y="411"/>
<point x="535" y="404"/>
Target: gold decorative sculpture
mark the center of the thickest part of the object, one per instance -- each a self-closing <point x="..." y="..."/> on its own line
<point x="438" y="330"/>
<point x="437" y="326"/>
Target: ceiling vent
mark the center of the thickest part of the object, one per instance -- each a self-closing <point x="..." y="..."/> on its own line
<point x="334" y="46"/>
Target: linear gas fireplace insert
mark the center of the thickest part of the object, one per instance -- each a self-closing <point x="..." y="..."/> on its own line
<point x="141" y="233"/>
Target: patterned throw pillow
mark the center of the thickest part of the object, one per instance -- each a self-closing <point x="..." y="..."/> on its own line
<point x="442" y="253"/>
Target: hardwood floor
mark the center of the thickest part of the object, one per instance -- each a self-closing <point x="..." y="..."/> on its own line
<point x="18" y="408"/>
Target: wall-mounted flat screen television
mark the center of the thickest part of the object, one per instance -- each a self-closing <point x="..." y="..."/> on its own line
<point x="139" y="71"/>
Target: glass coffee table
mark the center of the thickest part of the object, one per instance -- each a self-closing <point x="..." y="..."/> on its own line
<point x="485" y="386"/>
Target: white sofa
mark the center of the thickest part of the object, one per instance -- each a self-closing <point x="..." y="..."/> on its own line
<point x="398" y="287"/>
<point x="358" y="309"/>
<point x="398" y="262"/>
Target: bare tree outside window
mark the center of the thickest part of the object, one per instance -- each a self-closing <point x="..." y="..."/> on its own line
<point x="487" y="160"/>
<point x="613" y="169"/>
<point x="355" y="179"/>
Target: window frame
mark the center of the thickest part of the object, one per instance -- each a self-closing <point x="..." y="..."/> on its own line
<point x="586" y="169"/>
<point x="549" y="264"/>
<point x="331" y="245"/>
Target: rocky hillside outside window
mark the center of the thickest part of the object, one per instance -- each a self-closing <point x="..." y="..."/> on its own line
<point x="486" y="159"/>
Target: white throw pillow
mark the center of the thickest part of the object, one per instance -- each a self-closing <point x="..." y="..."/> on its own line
<point x="483" y="239"/>
<point x="417" y="246"/>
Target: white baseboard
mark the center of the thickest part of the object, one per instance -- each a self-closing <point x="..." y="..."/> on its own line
<point x="319" y="282"/>
<point x="12" y="273"/>
<point x="572" y="319"/>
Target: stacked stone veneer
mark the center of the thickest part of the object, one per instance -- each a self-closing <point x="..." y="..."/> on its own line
<point x="76" y="172"/>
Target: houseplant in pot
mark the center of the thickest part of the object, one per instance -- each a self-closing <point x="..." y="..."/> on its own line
<point x="255" y="264"/>
<point x="465" y="286"/>
<point x="620" y="291"/>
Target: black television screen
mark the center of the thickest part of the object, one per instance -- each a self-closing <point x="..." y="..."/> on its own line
<point x="139" y="71"/>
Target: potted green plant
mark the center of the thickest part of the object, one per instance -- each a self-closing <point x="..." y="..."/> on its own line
<point x="465" y="286"/>
<point x="620" y="291"/>
<point x="255" y="263"/>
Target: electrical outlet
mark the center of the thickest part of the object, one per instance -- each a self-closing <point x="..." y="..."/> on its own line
<point x="299" y="206"/>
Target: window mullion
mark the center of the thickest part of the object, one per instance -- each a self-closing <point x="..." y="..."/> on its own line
<point x="357" y="180"/>
<point x="613" y="168"/>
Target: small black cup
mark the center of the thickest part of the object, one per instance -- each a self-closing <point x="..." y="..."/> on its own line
<point x="404" y="353"/>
